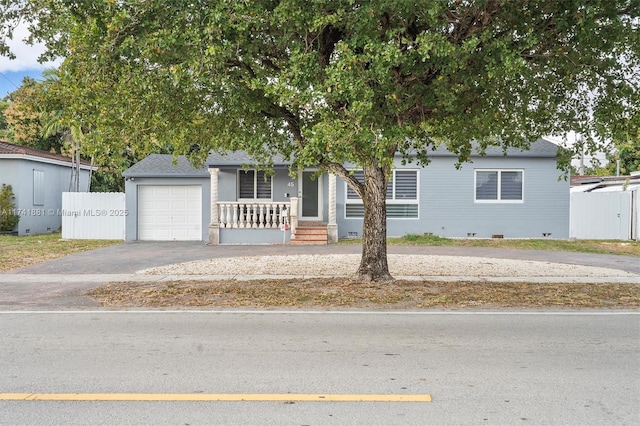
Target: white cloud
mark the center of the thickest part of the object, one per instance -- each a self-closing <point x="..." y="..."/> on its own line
<point x="26" y="55"/>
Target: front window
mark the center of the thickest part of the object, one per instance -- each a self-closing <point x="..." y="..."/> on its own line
<point x="254" y="184"/>
<point x="498" y="186"/>
<point x="402" y="196"/>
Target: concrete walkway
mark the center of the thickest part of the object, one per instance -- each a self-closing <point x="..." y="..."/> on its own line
<point x="62" y="283"/>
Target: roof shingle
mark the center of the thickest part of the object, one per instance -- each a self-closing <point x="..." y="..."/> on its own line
<point x="157" y="165"/>
<point x="163" y="165"/>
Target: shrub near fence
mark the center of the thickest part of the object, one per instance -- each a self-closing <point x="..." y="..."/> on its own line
<point x="93" y="215"/>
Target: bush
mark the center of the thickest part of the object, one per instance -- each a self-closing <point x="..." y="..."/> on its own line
<point x="8" y="218"/>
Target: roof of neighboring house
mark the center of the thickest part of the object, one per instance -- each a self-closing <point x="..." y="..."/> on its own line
<point x="165" y="165"/>
<point x="9" y="150"/>
<point x="604" y="183"/>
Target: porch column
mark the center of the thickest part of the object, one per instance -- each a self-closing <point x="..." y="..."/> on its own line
<point x="332" y="226"/>
<point x="293" y="216"/>
<point x="214" y="223"/>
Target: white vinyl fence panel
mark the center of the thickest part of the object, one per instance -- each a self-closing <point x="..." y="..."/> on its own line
<point x="93" y="215"/>
<point x="635" y="219"/>
<point x="601" y="215"/>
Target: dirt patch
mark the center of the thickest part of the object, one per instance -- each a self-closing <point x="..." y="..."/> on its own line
<point x="342" y="293"/>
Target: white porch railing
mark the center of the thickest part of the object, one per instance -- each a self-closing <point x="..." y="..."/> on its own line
<point x="259" y="214"/>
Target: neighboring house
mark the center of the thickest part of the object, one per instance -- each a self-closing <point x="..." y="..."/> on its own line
<point x="38" y="179"/>
<point x="226" y="201"/>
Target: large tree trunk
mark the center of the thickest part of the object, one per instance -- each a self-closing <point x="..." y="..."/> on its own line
<point x="373" y="265"/>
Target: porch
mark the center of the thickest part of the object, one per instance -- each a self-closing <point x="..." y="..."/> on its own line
<point x="259" y="221"/>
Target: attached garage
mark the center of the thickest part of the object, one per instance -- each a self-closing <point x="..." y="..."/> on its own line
<point x="170" y="213"/>
<point x="167" y="200"/>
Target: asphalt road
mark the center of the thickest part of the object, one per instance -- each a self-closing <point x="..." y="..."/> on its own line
<point x="571" y="368"/>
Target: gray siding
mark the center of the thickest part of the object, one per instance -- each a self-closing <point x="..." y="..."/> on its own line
<point x="447" y="207"/>
<point x="254" y="236"/>
<point x="131" y="194"/>
<point x="46" y="217"/>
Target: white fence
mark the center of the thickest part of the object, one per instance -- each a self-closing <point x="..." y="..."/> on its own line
<point x="93" y="215"/>
<point x="605" y="215"/>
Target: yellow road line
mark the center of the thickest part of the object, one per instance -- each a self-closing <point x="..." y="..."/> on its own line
<point x="211" y="397"/>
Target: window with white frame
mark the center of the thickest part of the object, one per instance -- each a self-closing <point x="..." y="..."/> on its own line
<point x="402" y="196"/>
<point x="38" y="187"/>
<point x="254" y="184"/>
<point x="503" y="186"/>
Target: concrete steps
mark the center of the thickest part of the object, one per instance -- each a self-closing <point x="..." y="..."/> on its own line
<point x="310" y="234"/>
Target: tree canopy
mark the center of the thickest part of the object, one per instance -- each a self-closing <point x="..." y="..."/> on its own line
<point x="627" y="153"/>
<point x="329" y="83"/>
<point x="4" y="130"/>
<point x="22" y="114"/>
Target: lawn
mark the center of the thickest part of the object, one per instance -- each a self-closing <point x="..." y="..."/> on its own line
<point x="16" y="252"/>
<point x="629" y="248"/>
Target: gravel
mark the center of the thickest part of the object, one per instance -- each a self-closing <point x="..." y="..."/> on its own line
<point x="345" y="265"/>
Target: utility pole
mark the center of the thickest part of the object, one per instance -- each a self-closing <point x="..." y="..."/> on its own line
<point x="581" y="169"/>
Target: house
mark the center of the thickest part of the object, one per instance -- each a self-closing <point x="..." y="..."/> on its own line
<point x="38" y="179"/>
<point x="226" y="201"/>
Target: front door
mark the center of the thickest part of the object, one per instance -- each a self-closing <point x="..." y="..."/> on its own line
<point x="310" y="194"/>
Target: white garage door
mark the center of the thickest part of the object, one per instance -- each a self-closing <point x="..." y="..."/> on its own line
<point x="168" y="213"/>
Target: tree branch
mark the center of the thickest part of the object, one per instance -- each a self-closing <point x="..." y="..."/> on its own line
<point x="327" y="40"/>
<point x="470" y="20"/>
<point x="339" y="170"/>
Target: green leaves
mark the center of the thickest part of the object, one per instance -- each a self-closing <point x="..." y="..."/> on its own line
<point x="322" y="80"/>
<point x="8" y="218"/>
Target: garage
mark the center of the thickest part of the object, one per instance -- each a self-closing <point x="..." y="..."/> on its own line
<point x="170" y="212"/>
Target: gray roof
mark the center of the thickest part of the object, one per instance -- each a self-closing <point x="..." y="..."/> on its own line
<point x="162" y="165"/>
<point x="156" y="165"/>
<point x="240" y="158"/>
<point x="540" y="148"/>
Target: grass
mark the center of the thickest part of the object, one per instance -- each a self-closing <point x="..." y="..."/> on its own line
<point x="629" y="248"/>
<point x="344" y="293"/>
<point x="16" y="252"/>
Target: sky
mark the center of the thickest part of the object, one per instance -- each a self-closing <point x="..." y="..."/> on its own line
<point x="26" y="63"/>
